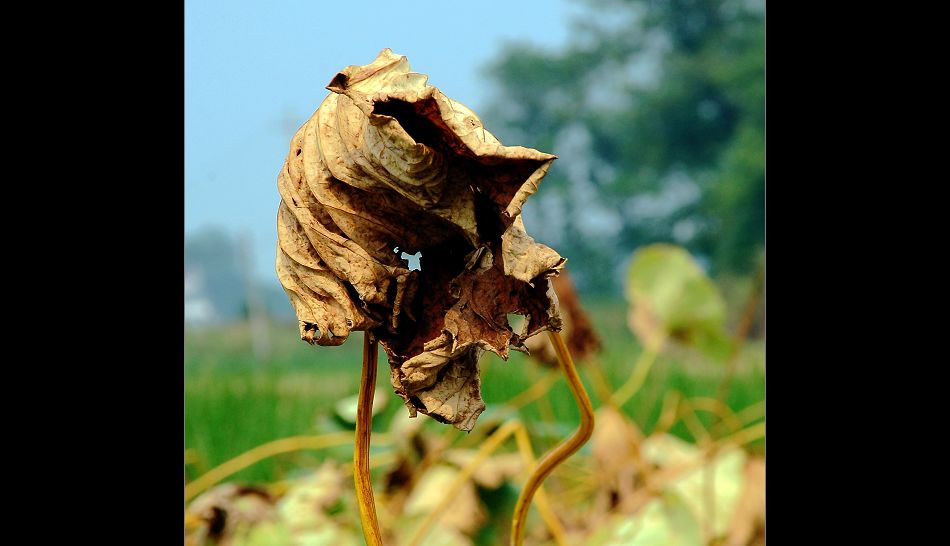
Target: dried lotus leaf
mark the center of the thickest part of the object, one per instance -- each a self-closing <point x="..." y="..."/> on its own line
<point x="388" y="164"/>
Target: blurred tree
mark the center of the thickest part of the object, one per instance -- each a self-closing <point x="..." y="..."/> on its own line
<point x="212" y="257"/>
<point x="219" y="273"/>
<point x="657" y="111"/>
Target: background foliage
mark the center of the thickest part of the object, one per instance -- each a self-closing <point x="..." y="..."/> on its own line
<point x="658" y="117"/>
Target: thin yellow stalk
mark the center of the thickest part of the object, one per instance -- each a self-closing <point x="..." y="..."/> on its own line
<point x="544" y="505"/>
<point x="364" y="428"/>
<point x="261" y="452"/>
<point x="751" y="413"/>
<point x="601" y="386"/>
<point x="451" y="494"/>
<point x="397" y="502"/>
<point x="688" y="414"/>
<point x="564" y="450"/>
<point x="668" y="413"/>
<point x="725" y="414"/>
<point x="532" y="393"/>
<point x="637" y="377"/>
<point x="746" y="435"/>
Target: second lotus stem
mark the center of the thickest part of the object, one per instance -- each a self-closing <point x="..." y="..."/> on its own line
<point x="562" y="451"/>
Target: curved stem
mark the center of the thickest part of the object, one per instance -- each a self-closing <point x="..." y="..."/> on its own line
<point x="564" y="450"/>
<point x="364" y="428"/>
<point x="544" y="505"/>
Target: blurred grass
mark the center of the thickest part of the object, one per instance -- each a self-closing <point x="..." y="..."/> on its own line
<point x="234" y="403"/>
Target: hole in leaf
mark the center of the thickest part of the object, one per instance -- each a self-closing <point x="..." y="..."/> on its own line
<point x="514" y="321"/>
<point x="414" y="263"/>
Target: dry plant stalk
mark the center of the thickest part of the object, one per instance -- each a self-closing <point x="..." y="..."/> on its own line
<point x="563" y="450"/>
<point x="259" y="453"/>
<point x="364" y="429"/>
<point x="486" y="447"/>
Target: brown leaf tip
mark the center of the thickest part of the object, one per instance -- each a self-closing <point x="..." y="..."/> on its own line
<point x="338" y="83"/>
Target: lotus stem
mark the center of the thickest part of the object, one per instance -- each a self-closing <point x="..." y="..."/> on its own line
<point x="364" y="428"/>
<point x="544" y="505"/>
<point x="562" y="451"/>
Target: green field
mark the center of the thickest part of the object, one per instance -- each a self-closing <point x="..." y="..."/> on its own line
<point x="234" y="403"/>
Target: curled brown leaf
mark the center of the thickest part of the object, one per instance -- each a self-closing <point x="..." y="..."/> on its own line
<point x="389" y="165"/>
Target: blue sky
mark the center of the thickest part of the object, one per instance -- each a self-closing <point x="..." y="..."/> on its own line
<point x="255" y="71"/>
